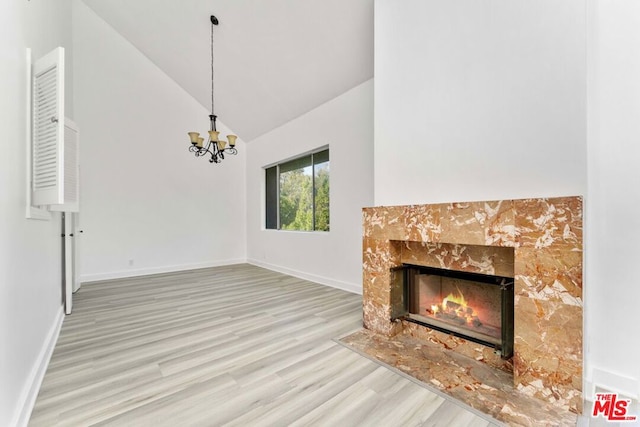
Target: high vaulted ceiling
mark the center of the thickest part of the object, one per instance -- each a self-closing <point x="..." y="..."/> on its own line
<point x="274" y="59"/>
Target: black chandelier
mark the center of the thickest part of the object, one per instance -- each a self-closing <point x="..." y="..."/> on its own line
<point x="215" y="146"/>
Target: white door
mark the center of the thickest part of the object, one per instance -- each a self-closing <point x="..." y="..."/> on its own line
<point x="70" y="209"/>
<point x="72" y="233"/>
<point x="67" y="235"/>
<point x="77" y="245"/>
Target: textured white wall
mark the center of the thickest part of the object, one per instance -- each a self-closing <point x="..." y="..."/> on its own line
<point x="144" y="197"/>
<point x="613" y="198"/>
<point x="30" y="250"/>
<point x="479" y="100"/>
<point x="333" y="258"/>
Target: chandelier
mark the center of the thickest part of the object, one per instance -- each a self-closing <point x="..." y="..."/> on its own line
<point x="215" y="146"/>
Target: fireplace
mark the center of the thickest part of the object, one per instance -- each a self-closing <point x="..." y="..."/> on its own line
<point x="536" y="242"/>
<point x="477" y="307"/>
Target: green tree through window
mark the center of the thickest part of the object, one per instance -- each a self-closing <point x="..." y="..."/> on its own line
<point x="298" y="193"/>
<point x="321" y="194"/>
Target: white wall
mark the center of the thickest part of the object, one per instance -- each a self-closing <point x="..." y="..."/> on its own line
<point x="479" y="100"/>
<point x="30" y="250"/>
<point x="613" y="199"/>
<point x="147" y="204"/>
<point x="333" y="258"/>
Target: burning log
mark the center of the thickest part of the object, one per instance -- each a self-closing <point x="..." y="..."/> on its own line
<point x="451" y="305"/>
<point x="454" y="309"/>
<point x="459" y="320"/>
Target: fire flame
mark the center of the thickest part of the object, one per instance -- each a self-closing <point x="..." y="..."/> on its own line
<point x="458" y="299"/>
<point x="455" y="308"/>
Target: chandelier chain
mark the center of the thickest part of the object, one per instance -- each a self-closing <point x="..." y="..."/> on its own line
<point x="212" y="110"/>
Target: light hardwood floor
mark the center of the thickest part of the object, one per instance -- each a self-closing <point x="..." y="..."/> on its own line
<point x="237" y="346"/>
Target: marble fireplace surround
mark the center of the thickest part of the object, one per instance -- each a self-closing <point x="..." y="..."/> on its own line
<point x="538" y="241"/>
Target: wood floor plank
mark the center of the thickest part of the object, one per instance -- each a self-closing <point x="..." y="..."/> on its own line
<point x="235" y="345"/>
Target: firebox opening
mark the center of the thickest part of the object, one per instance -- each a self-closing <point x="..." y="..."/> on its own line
<point x="476" y="307"/>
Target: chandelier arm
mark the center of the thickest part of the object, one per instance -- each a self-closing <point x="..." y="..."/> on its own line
<point x="198" y="151"/>
<point x="211" y="148"/>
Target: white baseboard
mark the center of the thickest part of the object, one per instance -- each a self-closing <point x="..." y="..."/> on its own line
<point x="31" y="389"/>
<point x="157" y="270"/>
<point x="611" y="382"/>
<point x="349" y="287"/>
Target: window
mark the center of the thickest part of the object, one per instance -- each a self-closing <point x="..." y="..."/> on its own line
<point x="298" y="193"/>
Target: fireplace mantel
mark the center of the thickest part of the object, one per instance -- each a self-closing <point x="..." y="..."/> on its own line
<point x="545" y="236"/>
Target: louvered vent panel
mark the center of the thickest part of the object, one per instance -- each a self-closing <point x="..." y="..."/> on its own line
<point x="45" y="130"/>
<point x="47" y="151"/>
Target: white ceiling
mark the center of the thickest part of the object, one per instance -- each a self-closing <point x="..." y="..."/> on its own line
<point x="274" y="59"/>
